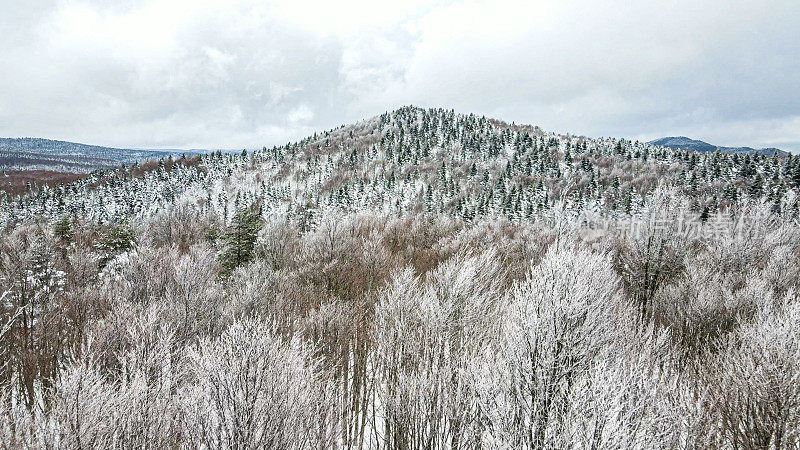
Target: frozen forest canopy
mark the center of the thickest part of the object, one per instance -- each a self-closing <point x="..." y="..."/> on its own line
<point x="418" y="280"/>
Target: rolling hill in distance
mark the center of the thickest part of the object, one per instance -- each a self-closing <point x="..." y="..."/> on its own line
<point x="685" y="143"/>
<point x="61" y="156"/>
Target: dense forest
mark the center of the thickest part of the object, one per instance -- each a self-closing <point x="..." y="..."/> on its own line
<point x="418" y="280"/>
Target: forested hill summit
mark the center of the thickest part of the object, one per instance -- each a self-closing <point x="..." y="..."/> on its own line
<point x="61" y="156"/>
<point x="430" y="160"/>
<point x="682" y="142"/>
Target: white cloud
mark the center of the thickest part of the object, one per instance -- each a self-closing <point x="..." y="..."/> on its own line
<point x="301" y="113"/>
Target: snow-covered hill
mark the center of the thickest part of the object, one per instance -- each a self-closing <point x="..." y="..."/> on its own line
<point x="434" y="160"/>
<point x="46" y="154"/>
<point x="685" y="143"/>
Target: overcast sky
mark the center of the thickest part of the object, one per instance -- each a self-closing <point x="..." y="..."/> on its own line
<point x="235" y="74"/>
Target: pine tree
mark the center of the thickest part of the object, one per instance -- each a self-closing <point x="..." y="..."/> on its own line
<point x="754" y="188"/>
<point x="704" y="215"/>
<point x="117" y="239"/>
<point x="240" y="239"/>
<point x="795" y="174"/>
<point x="63" y="229"/>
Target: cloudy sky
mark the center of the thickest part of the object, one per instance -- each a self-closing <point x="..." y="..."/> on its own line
<point x="243" y="73"/>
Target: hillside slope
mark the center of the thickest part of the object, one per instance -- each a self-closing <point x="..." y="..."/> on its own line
<point x="434" y="160"/>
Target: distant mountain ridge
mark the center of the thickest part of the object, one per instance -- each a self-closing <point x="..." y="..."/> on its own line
<point x="686" y="143"/>
<point x="62" y="156"/>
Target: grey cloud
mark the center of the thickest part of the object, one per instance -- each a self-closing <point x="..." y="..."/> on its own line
<point x="248" y="73"/>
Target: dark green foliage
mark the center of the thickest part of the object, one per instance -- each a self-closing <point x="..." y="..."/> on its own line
<point x="704" y="215"/>
<point x="115" y="240"/>
<point x="240" y="239"/>
<point x="118" y="238"/>
<point x="213" y="234"/>
<point x="63" y="229"/>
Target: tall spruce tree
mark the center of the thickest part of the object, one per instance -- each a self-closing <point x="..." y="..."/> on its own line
<point x="240" y="239"/>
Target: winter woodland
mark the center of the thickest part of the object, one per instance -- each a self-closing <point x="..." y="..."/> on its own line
<point x="419" y="280"/>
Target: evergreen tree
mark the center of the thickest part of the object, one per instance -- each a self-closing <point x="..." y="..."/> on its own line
<point x="240" y="239"/>
<point x="63" y="229"/>
<point x="754" y="188"/>
<point x="704" y="215"/>
<point x="117" y="239"/>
